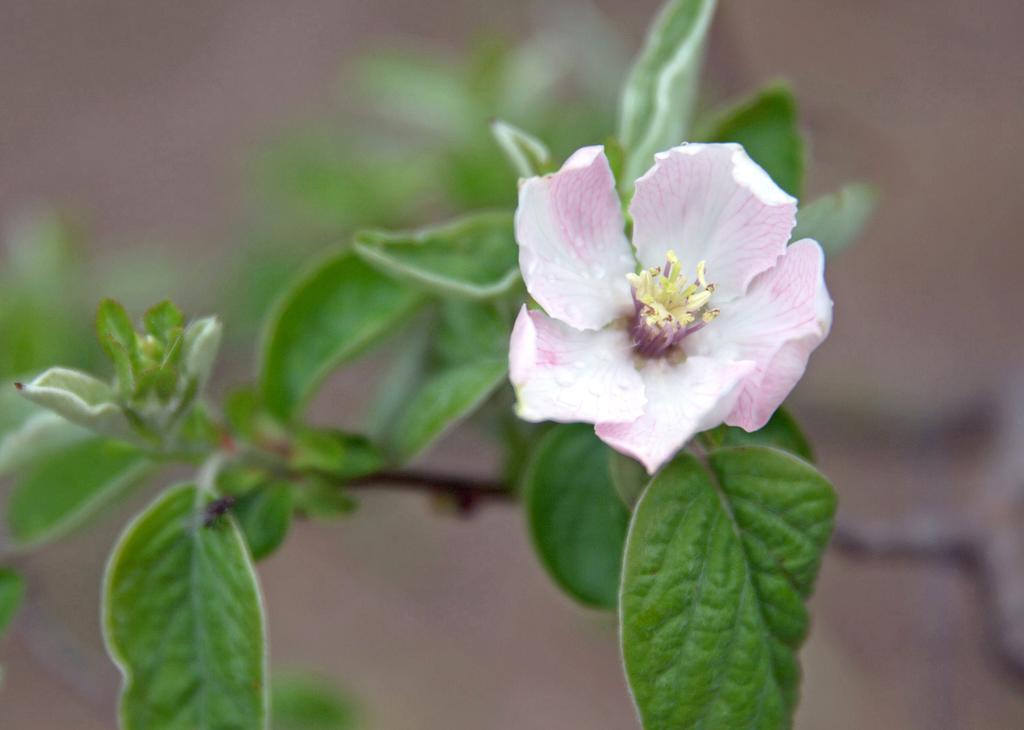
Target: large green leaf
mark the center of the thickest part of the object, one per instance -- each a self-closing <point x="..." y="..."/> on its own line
<point x="837" y="219"/>
<point x="474" y="257"/>
<point x="444" y="399"/>
<point x="332" y="314"/>
<point x="62" y="487"/>
<point x="12" y="591"/>
<point x="768" y="128"/>
<point x="183" y="620"/>
<point x="659" y="95"/>
<point x="577" y="520"/>
<point x="717" y="570"/>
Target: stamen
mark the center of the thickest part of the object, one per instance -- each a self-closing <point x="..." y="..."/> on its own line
<point x="668" y="308"/>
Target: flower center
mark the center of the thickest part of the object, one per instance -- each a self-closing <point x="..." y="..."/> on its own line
<point x="668" y="308"/>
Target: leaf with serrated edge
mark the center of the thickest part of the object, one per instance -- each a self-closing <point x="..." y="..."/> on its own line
<point x="716" y="573"/>
<point x="577" y="521"/>
<point x="333" y="313"/>
<point x="183" y="620"/>
<point x="658" y="98"/>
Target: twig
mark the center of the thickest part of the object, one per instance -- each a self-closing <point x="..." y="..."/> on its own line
<point x="467" y="493"/>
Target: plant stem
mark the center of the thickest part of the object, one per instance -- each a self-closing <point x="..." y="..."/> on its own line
<point x="466" y="492"/>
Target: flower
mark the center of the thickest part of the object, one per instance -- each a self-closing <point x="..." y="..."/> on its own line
<point x="717" y="327"/>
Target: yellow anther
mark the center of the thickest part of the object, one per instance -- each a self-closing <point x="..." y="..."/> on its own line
<point x="667" y="300"/>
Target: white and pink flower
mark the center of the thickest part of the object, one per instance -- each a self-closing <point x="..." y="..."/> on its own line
<point x="716" y="327"/>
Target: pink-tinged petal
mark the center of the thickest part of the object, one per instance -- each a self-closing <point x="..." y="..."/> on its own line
<point x="784" y="316"/>
<point x="573" y="250"/>
<point x="711" y="202"/>
<point x="563" y="374"/>
<point x="682" y="400"/>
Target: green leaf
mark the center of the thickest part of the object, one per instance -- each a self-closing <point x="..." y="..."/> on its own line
<point x="264" y="515"/>
<point x="341" y="455"/>
<point x="304" y="702"/>
<point x="116" y="332"/>
<point x="65" y="486"/>
<point x="330" y="316"/>
<point x="202" y="342"/>
<point x="577" y="521"/>
<point x="768" y="128"/>
<point x="628" y="476"/>
<point x="162" y="319"/>
<point x="781" y="432"/>
<point x="659" y="94"/>
<point x="715" y="577"/>
<point x="527" y="154"/>
<point x="183" y="620"/>
<point x="404" y="374"/>
<point x="12" y="591"/>
<point x="81" y="399"/>
<point x="444" y="400"/>
<point x="837" y="219"/>
<point x="42" y="434"/>
<point x="243" y="408"/>
<point x="323" y="500"/>
<point x="474" y="257"/>
<point x="471" y="331"/>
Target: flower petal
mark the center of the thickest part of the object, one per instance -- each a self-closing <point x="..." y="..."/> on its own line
<point x="784" y="316"/>
<point x="563" y="374"/>
<point x="573" y="250"/>
<point x="682" y="400"/>
<point x="711" y="202"/>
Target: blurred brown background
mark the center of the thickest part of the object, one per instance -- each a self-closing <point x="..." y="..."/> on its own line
<point x="139" y="113"/>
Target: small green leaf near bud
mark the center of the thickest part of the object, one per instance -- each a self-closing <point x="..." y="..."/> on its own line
<point x="201" y="343"/>
<point x="115" y="332"/>
<point x="81" y="399"/>
<point x="163" y="320"/>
